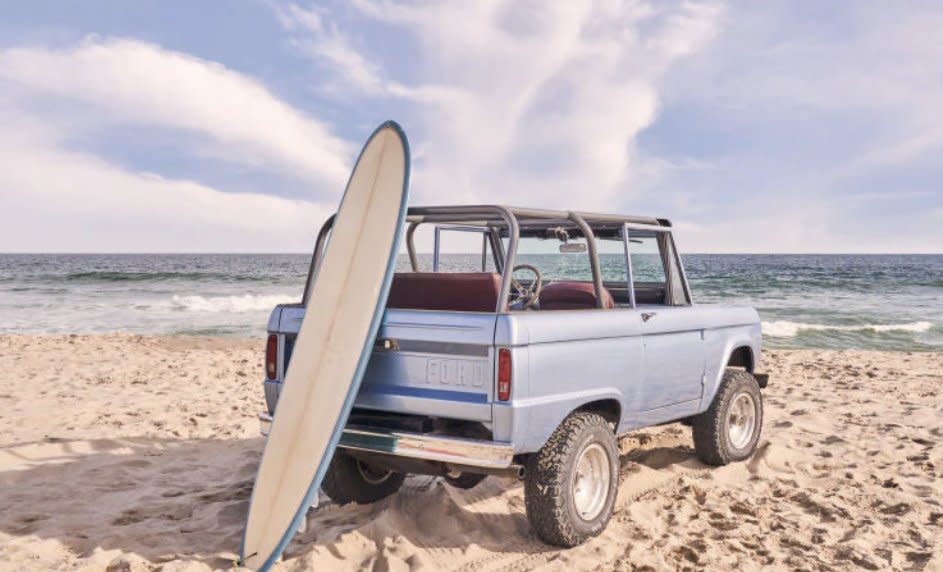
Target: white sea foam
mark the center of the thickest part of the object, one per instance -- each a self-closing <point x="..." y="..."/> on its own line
<point x="787" y="329"/>
<point x="244" y="303"/>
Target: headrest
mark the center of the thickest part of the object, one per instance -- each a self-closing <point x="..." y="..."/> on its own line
<point x="571" y="295"/>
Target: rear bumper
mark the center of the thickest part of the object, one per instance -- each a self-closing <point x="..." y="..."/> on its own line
<point x="449" y="450"/>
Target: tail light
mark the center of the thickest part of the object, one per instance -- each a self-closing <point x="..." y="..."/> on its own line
<point x="271" y="357"/>
<point x="504" y="374"/>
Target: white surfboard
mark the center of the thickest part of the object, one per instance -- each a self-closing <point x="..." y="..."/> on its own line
<point x="348" y="296"/>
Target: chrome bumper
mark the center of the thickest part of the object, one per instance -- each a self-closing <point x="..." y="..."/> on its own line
<point x="450" y="450"/>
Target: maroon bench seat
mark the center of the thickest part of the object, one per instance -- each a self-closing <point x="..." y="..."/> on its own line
<point x="456" y="291"/>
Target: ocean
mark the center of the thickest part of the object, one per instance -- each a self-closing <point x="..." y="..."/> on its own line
<point x="890" y="302"/>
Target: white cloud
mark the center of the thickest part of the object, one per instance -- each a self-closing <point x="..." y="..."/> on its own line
<point x="131" y="82"/>
<point x="327" y="44"/>
<point x="534" y="103"/>
<point x="875" y="64"/>
<point x="294" y="17"/>
<point x="807" y="114"/>
<point x="55" y="200"/>
<point x="514" y="102"/>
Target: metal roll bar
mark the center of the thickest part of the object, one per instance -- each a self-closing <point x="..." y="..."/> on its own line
<point x="466" y="213"/>
<point x="593" y="256"/>
<point x="316" y="257"/>
<point x="411" y="246"/>
<point x="494" y="217"/>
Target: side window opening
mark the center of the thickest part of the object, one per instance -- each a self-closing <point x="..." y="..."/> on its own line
<point x="648" y="269"/>
<point x="657" y="277"/>
<point x="675" y="294"/>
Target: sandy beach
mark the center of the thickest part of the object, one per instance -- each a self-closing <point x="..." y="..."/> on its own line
<point x="131" y="453"/>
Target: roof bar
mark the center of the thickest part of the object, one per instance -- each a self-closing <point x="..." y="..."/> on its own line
<point x="593" y="258"/>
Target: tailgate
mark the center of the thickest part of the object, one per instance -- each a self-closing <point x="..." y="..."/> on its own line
<point x="432" y="363"/>
<point x="425" y="363"/>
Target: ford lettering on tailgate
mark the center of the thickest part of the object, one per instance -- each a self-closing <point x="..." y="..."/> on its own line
<point x="456" y="372"/>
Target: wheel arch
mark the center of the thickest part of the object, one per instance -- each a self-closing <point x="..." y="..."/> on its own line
<point x="545" y="417"/>
<point x="742" y="356"/>
<point x="610" y="409"/>
<point x="737" y="347"/>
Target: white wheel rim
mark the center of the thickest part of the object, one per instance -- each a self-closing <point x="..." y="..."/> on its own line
<point x="371" y="475"/>
<point x="590" y="483"/>
<point x="741" y="420"/>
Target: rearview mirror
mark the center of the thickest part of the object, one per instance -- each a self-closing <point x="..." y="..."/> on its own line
<point x="575" y="247"/>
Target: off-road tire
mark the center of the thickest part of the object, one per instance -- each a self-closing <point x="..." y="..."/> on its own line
<point x="465" y="480"/>
<point x="710" y="429"/>
<point x="548" y="494"/>
<point x="351" y="480"/>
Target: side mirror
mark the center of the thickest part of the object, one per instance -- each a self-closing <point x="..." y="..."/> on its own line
<point x="574" y="247"/>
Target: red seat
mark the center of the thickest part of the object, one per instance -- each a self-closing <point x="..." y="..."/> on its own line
<point x="456" y="291"/>
<point x="572" y="295"/>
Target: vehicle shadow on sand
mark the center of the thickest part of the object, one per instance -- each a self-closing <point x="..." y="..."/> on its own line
<point x="662" y="457"/>
<point x="187" y="499"/>
<point x="427" y="513"/>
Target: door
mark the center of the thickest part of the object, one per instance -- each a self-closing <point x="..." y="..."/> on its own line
<point x="673" y="358"/>
<point x="672" y="333"/>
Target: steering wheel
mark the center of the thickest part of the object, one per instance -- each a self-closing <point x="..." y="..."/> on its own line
<point x="526" y="296"/>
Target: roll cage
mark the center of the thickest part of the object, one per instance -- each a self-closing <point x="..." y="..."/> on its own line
<point x="512" y="223"/>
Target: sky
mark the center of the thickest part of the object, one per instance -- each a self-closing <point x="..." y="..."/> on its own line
<point x="170" y="126"/>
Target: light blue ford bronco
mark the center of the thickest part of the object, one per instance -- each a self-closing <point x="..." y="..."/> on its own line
<point x="531" y="357"/>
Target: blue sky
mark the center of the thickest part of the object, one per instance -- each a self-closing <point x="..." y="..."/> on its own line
<point x="231" y="126"/>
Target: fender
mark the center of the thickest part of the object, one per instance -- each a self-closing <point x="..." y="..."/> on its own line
<point x="721" y="344"/>
<point x="536" y="418"/>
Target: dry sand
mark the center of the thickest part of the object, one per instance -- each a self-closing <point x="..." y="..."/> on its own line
<point x="138" y="453"/>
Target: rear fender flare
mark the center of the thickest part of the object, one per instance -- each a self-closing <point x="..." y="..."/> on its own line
<point x="547" y="413"/>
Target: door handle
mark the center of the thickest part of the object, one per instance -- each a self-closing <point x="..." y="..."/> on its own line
<point x="646" y="316"/>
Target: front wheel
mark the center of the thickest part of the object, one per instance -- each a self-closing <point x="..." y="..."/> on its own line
<point x="352" y="480"/>
<point x="730" y="429"/>
<point x="571" y="484"/>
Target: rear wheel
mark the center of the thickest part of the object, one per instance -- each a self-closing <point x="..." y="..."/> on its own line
<point x="571" y="483"/>
<point x="730" y="429"/>
<point x="352" y="480"/>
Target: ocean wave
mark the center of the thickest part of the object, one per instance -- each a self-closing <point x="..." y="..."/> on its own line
<point x="244" y="303"/>
<point x="787" y="329"/>
<point x="111" y="276"/>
